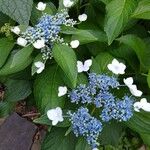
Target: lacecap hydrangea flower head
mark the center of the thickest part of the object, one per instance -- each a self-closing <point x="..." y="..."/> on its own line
<point x="99" y="94"/>
<point x="97" y="102"/>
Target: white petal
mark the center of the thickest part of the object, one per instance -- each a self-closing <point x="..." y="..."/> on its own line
<point x="87" y="65"/>
<point x="134" y="91"/>
<point x="16" y="30"/>
<point x="62" y="90"/>
<point x="67" y="3"/>
<point x="128" y="81"/>
<point x="54" y="122"/>
<point x="51" y="114"/>
<point x="75" y="43"/>
<point x="146" y="107"/>
<point x="143" y="101"/>
<point x="41" y="6"/>
<point x="137" y="105"/>
<point x="39" y="64"/>
<point x="21" y="41"/>
<point x="39" y="70"/>
<point x="82" y="17"/>
<point x="39" y="44"/>
<point x="95" y="149"/>
<point x="80" y="66"/>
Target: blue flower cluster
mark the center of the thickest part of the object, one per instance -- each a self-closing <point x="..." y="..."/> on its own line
<point x="48" y="28"/>
<point x="98" y="92"/>
<point x="121" y="110"/>
<point x="84" y="124"/>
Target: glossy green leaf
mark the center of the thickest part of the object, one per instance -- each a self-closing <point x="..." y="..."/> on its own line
<point x="111" y="134"/>
<point x="46" y="89"/>
<point x="100" y="63"/>
<point x="5" y="108"/>
<point x="146" y="138"/>
<point x="17" y="61"/>
<point x="82" y="145"/>
<point x="18" y="10"/>
<point x="148" y="79"/>
<point x="5" y="48"/>
<point x="117" y="17"/>
<point x="66" y="59"/>
<point x="140" y="122"/>
<point x="140" y="48"/>
<point x="88" y="36"/>
<point x="56" y="140"/>
<point x="17" y="90"/>
<point x="143" y="10"/>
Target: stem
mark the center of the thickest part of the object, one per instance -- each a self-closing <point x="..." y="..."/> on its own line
<point x="31" y="115"/>
<point x="143" y="74"/>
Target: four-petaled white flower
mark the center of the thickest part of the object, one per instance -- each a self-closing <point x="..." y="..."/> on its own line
<point x="83" y="67"/>
<point x="41" y="6"/>
<point x="67" y="3"/>
<point x="22" y="42"/>
<point x="74" y="43"/>
<point x="39" y="44"/>
<point x="55" y="115"/>
<point x="82" y="17"/>
<point x="40" y="66"/>
<point x="116" y="67"/>
<point x="16" y="30"/>
<point x="143" y="104"/>
<point x="62" y="90"/>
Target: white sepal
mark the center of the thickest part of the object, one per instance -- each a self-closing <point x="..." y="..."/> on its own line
<point x="67" y="3"/>
<point x="55" y="115"/>
<point x="62" y="90"/>
<point x="84" y="67"/>
<point x="22" y="42"/>
<point x="40" y="66"/>
<point x="116" y="67"/>
<point x="39" y="44"/>
<point x="41" y="6"/>
<point x="74" y="43"/>
<point x="82" y="17"/>
<point x="16" y="30"/>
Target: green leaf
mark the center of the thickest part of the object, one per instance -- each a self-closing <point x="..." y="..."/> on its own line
<point x="17" y="90"/>
<point x="117" y="17"/>
<point x="93" y="35"/>
<point x="18" y="10"/>
<point x="146" y="138"/>
<point x="17" y="61"/>
<point x="148" y="79"/>
<point x="66" y="59"/>
<point x="56" y="140"/>
<point x="46" y="89"/>
<point x="82" y="145"/>
<point x="143" y="10"/>
<point x="140" y="122"/>
<point x="140" y="49"/>
<point x="45" y="121"/>
<point x="100" y="63"/>
<point x="111" y="134"/>
<point x="5" y="108"/>
<point x="21" y="55"/>
<point x="5" y="48"/>
<point x="106" y="1"/>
